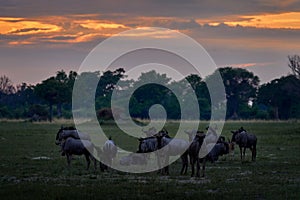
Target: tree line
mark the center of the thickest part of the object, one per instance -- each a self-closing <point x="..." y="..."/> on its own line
<point x="246" y="98"/>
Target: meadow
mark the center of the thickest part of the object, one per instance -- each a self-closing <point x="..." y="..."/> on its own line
<point x="274" y="175"/>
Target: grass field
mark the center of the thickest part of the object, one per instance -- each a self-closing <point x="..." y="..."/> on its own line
<point x="274" y="175"/>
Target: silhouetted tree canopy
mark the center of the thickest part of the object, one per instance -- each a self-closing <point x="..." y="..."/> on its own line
<point x="277" y="99"/>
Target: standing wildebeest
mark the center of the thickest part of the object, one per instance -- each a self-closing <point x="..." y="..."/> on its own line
<point x="193" y="152"/>
<point x="172" y="147"/>
<point x="72" y="146"/>
<point x="160" y="140"/>
<point x="245" y="140"/>
<point x="71" y="143"/>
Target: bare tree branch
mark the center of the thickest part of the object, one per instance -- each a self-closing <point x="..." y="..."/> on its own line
<point x="6" y="85"/>
<point x="294" y="64"/>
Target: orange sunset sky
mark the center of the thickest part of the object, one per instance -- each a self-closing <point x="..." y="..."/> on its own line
<point x="38" y="38"/>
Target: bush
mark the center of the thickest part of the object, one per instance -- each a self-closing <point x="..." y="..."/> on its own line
<point x="107" y="114"/>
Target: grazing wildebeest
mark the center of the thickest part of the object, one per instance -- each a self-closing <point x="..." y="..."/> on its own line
<point x="193" y="153"/>
<point x="245" y="140"/>
<point x="109" y="152"/>
<point x="133" y="159"/>
<point x="71" y="146"/>
<point x="172" y="147"/>
<point x="72" y="142"/>
<point x="217" y="150"/>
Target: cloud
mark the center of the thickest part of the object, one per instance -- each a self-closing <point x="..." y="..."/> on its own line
<point x="134" y="8"/>
<point x="99" y="25"/>
<point x="290" y="20"/>
<point x="21" y="26"/>
<point x="56" y="29"/>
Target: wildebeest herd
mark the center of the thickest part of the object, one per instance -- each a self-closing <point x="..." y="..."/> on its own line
<point x="200" y="148"/>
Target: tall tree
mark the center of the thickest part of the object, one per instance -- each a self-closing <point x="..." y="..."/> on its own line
<point x="201" y="91"/>
<point x="240" y="87"/>
<point x="150" y="90"/>
<point x="6" y="85"/>
<point x="294" y="64"/>
<point x="56" y="90"/>
<point x="282" y="95"/>
<point x="108" y="81"/>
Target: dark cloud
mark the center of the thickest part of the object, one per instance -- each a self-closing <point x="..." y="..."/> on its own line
<point x="171" y="8"/>
<point x="24" y="30"/>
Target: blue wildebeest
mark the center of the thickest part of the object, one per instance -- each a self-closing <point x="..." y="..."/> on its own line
<point x="109" y="152"/>
<point x="71" y="144"/>
<point x="193" y="153"/>
<point x="172" y="147"/>
<point x="216" y="150"/>
<point x="65" y="132"/>
<point x="245" y="140"/>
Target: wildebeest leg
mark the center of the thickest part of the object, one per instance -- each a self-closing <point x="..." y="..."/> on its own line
<point x="158" y="162"/>
<point x="184" y="161"/>
<point x="102" y="166"/>
<point x="254" y="153"/>
<point x="69" y="158"/>
<point x="244" y="152"/>
<point x="167" y="165"/>
<point x="192" y="161"/>
<point x="88" y="161"/>
<point x="94" y="161"/>
<point x="203" y="167"/>
<point x="166" y="170"/>
<point x="241" y="150"/>
<point x="198" y="167"/>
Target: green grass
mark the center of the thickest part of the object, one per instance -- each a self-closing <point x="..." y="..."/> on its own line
<point x="275" y="174"/>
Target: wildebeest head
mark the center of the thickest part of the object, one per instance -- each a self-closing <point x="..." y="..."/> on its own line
<point x="146" y="145"/>
<point x="59" y="137"/>
<point x="236" y="134"/>
<point x="191" y="134"/>
<point x="226" y="147"/>
<point x="199" y="137"/>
